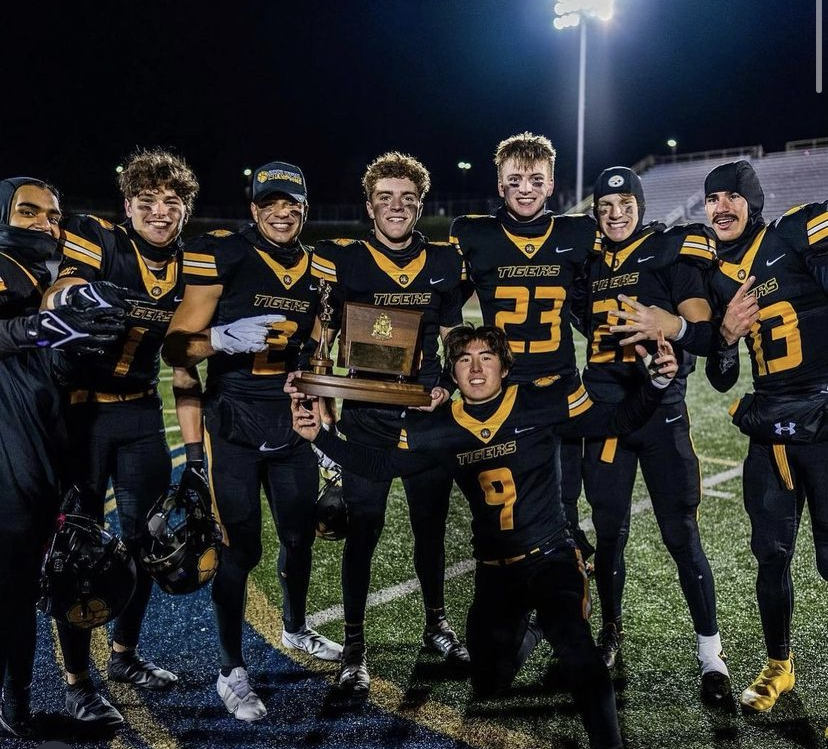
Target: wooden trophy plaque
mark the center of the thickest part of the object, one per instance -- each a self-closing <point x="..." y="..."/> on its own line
<point x="382" y="341"/>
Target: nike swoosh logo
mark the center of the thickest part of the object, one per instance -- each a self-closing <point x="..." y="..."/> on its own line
<point x="565" y="249"/>
<point x="670" y="421"/>
<point x="265" y="449"/>
<point x="177" y="299"/>
<point x="434" y="283"/>
<point x="524" y="429"/>
<point x="313" y="288"/>
<point x="769" y="263"/>
<point x="645" y="259"/>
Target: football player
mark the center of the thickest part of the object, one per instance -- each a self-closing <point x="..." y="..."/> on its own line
<point x="771" y="287"/>
<point x="524" y="263"/>
<point x="32" y="433"/>
<point x="249" y="308"/>
<point x="114" y="416"/>
<point x="395" y="266"/>
<point x="501" y="445"/>
<point x="657" y="273"/>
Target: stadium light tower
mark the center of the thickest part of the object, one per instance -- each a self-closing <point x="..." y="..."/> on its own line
<point x="570" y="13"/>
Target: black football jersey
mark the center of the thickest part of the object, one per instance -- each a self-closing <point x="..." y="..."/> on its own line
<point x="524" y="286"/>
<point x="503" y="455"/>
<point x="655" y="267"/>
<point x="788" y="345"/>
<point x="21" y="284"/>
<point x="429" y="283"/>
<point x="96" y="250"/>
<point x="254" y="282"/>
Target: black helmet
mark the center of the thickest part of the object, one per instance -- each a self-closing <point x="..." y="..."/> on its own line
<point x="331" y="510"/>
<point x="182" y="544"/>
<point x="88" y="575"/>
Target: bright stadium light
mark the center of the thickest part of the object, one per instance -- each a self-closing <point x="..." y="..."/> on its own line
<point x="119" y="169"/>
<point x="672" y="144"/>
<point x="247" y="172"/>
<point x="570" y="13"/>
<point x="464" y="165"/>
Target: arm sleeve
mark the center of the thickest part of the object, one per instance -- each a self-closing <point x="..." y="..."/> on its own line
<point x="371" y="462"/>
<point x="722" y="366"/>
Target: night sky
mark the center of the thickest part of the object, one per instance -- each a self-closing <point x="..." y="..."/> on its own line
<point x="329" y="85"/>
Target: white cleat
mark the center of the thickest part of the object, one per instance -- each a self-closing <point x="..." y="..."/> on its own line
<point x="312" y="643"/>
<point x="238" y="696"/>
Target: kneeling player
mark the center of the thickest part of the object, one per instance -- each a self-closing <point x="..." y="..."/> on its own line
<point x="502" y="446"/>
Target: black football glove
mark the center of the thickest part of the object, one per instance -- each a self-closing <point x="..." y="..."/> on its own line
<point x="195" y="473"/>
<point x="98" y="295"/>
<point x="82" y="331"/>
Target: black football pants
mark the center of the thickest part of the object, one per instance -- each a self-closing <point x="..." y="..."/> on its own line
<point x="775" y="512"/>
<point x="124" y="442"/>
<point x="671" y="472"/>
<point x="556" y="587"/>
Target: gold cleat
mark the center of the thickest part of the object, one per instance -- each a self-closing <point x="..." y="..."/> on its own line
<point x="776" y="678"/>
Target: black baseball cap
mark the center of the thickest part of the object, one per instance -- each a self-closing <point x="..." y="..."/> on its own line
<point x="277" y="176"/>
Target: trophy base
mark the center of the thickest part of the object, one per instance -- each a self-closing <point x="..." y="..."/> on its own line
<point x="358" y="389"/>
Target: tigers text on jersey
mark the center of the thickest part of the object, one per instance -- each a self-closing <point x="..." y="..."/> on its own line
<point x="788" y="346"/>
<point x="96" y="250"/>
<point x="254" y="282"/>
<point x="429" y="282"/>
<point x="523" y="285"/>
<point x="654" y="267"/>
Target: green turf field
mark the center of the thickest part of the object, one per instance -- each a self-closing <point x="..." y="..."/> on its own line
<point x="656" y="678"/>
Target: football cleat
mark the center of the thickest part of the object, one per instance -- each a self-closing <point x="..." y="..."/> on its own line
<point x="715" y="687"/>
<point x="353" y="674"/>
<point x="312" y="643"/>
<point x="130" y="669"/>
<point x="441" y="638"/>
<point x="238" y="696"/>
<point x="776" y="678"/>
<point x="20" y="727"/>
<point x="609" y="643"/>
<point x="85" y="703"/>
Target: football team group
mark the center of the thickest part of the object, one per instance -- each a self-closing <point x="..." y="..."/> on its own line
<point x="525" y="433"/>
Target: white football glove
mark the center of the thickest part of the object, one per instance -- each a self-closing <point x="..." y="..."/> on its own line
<point x="244" y="336"/>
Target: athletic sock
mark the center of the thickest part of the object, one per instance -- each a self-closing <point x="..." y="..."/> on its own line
<point x="710" y="655"/>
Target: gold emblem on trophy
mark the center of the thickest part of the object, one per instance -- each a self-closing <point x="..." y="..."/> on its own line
<point x="379" y="341"/>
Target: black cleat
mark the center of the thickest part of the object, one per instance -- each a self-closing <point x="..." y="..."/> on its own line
<point x="353" y="675"/>
<point x="715" y="687"/>
<point x="84" y="703"/>
<point x="441" y="638"/>
<point x="130" y="669"/>
<point x="609" y="643"/>
<point x="20" y="727"/>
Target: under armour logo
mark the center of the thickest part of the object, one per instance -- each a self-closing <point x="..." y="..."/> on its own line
<point x="790" y="430"/>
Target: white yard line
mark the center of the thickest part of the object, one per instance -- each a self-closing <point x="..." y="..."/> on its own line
<point x="387" y="595"/>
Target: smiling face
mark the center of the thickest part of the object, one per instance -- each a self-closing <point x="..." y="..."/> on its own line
<point x="279" y="218"/>
<point x="479" y="373"/>
<point x="36" y="209"/>
<point x="728" y="213"/>
<point x="525" y="188"/>
<point x="394" y="207"/>
<point x="157" y="215"/>
<point x="617" y="216"/>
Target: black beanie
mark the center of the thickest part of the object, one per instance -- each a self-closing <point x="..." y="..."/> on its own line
<point x="616" y="180"/>
<point x="738" y="176"/>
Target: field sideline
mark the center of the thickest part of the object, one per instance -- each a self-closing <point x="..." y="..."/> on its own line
<point x="416" y="702"/>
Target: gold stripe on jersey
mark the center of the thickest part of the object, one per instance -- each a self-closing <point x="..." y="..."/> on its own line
<point x="403" y="441"/>
<point x="579" y="401"/>
<point x="596" y="244"/>
<point x="528" y="245"/>
<point x="818" y="228"/>
<point x="616" y="259"/>
<point x="156" y="286"/>
<point x="26" y="272"/>
<point x="287" y="276"/>
<point x="324" y="269"/>
<point x="740" y="271"/>
<point x="403" y="276"/>
<point x="780" y="456"/>
<point x="609" y="449"/>
<point x="697" y="245"/>
<point x="82" y="250"/>
<point x="199" y="264"/>
<point x="219" y="233"/>
<point x="485" y="430"/>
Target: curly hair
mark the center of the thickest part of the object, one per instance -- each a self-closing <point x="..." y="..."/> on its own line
<point x="457" y="341"/>
<point x="151" y="169"/>
<point x="396" y="165"/>
<point x="526" y="149"/>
